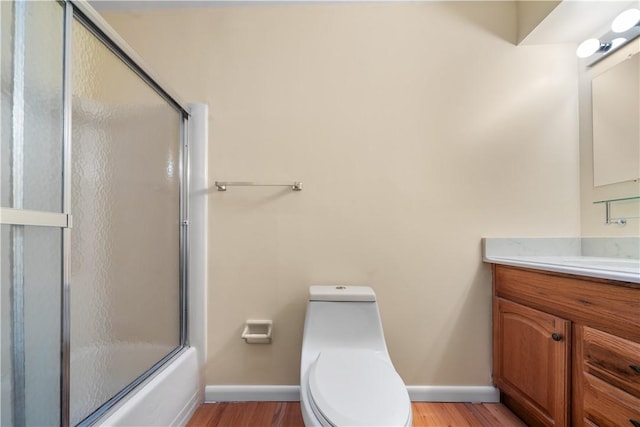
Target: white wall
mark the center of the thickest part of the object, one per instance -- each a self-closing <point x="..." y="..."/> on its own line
<point x="416" y="128"/>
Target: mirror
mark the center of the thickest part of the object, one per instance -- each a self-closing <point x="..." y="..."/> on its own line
<point x="616" y="123"/>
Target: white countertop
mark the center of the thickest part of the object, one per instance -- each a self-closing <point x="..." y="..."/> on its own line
<point x="569" y="255"/>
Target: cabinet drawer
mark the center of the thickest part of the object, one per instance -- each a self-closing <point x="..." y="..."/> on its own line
<point x="612" y="359"/>
<point x="608" y="406"/>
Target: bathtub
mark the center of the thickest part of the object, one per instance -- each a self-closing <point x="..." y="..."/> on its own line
<point x="168" y="398"/>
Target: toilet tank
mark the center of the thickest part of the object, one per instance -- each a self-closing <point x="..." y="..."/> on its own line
<point x="342" y="293"/>
<point x="342" y="317"/>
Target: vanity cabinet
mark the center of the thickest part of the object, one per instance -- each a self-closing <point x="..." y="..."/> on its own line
<point x="531" y="361"/>
<point x="566" y="348"/>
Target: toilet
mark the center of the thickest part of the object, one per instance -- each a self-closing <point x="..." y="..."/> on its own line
<point x="346" y="374"/>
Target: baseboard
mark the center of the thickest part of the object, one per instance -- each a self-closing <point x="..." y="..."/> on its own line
<point x="476" y="394"/>
<point x="291" y="393"/>
<point x="251" y="393"/>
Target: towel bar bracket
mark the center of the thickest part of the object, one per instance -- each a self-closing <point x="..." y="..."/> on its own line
<point x="607" y="210"/>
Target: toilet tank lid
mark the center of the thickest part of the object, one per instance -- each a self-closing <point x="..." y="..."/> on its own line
<point x="341" y="293"/>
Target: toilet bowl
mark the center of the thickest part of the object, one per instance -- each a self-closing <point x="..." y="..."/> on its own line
<point x="346" y="374"/>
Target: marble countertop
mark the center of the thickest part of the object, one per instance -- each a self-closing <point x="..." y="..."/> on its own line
<point x="607" y="258"/>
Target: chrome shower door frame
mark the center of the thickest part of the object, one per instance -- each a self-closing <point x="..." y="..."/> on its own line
<point x="17" y="217"/>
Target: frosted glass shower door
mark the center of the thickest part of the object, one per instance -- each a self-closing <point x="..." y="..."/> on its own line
<point x="125" y="259"/>
<point x="31" y="152"/>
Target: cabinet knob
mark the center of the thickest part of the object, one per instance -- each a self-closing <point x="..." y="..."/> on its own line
<point x="557" y="337"/>
<point x="634" y="423"/>
<point x="635" y="368"/>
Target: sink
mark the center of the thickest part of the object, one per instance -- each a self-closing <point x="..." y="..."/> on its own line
<point x="617" y="264"/>
<point x="614" y="258"/>
<point x="626" y="265"/>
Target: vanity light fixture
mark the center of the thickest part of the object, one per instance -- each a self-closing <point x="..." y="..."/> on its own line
<point x="591" y="46"/>
<point x="625" y="27"/>
<point x="626" y="20"/>
<point x="617" y="42"/>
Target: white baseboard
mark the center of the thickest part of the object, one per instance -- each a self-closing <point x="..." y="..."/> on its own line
<point x="251" y="393"/>
<point x="291" y="393"/>
<point x="476" y="394"/>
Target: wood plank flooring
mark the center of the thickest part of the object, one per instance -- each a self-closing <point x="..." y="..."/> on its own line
<point x="281" y="414"/>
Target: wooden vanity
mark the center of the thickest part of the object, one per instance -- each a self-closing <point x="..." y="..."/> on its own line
<point x="566" y="348"/>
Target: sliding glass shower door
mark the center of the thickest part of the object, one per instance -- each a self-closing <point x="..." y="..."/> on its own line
<point x="31" y="167"/>
<point x="125" y="261"/>
<point x="92" y="217"/>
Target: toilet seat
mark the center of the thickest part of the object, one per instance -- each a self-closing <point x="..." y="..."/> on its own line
<point x="358" y="388"/>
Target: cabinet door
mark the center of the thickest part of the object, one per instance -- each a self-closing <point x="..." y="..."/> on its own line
<point x="531" y="362"/>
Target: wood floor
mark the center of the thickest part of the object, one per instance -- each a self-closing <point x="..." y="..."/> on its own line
<point x="276" y="414"/>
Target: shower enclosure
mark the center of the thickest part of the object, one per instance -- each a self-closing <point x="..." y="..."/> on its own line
<point x="93" y="217"/>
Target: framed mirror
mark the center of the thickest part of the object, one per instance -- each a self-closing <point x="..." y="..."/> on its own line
<point x="616" y="123"/>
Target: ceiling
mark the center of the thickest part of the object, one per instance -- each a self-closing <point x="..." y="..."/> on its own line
<point x="571" y="21"/>
<point x="106" y="5"/>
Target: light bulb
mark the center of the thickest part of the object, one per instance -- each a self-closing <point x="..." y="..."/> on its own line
<point x="588" y="48"/>
<point x="617" y="42"/>
<point x="626" y="20"/>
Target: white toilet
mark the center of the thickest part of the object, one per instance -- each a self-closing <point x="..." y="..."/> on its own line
<point x="346" y="374"/>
